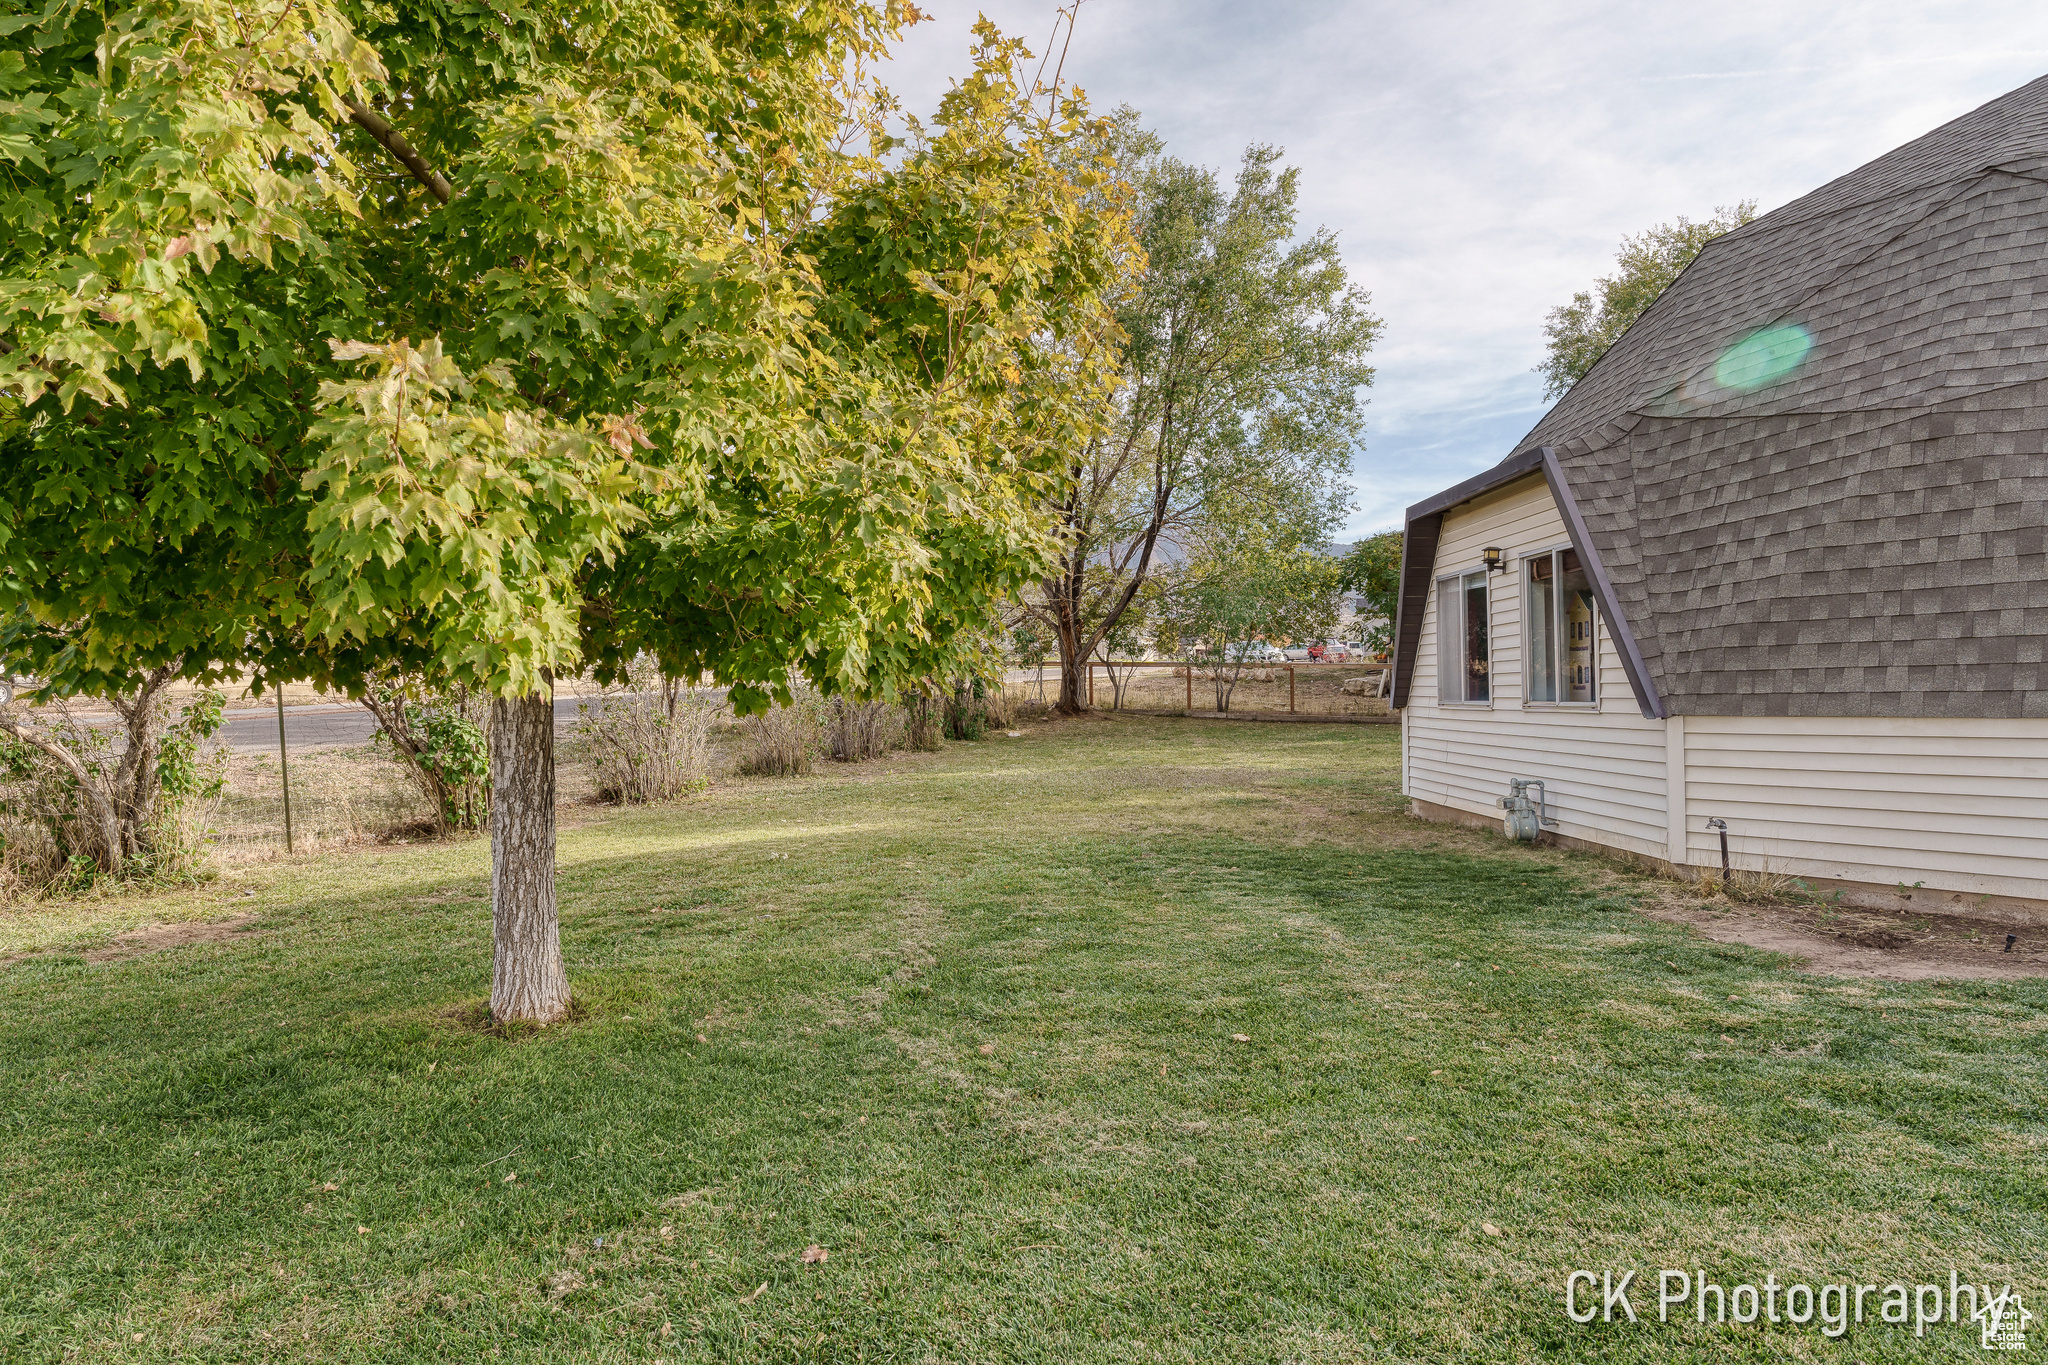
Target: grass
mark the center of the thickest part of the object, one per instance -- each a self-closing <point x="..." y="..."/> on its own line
<point x="966" y="1021"/>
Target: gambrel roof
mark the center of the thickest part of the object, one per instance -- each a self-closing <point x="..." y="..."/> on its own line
<point x="1863" y="533"/>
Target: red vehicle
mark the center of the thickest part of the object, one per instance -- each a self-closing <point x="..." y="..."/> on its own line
<point x="1328" y="654"/>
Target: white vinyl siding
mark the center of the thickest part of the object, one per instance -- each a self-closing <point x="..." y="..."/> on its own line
<point x="1957" y="805"/>
<point x="1603" y="775"/>
<point x="1602" y="766"/>
<point x="1961" y="805"/>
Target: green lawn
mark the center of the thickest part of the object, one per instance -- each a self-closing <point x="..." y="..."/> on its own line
<point x="966" y="1021"/>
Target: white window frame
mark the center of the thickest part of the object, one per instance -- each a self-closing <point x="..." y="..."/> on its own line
<point x="1450" y="613"/>
<point x="1529" y="641"/>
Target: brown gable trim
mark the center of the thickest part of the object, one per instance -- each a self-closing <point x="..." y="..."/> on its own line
<point x="1418" y="559"/>
<point x="1610" y="610"/>
<point x="1424" y="531"/>
<point x="1419" y="537"/>
<point x="1508" y="470"/>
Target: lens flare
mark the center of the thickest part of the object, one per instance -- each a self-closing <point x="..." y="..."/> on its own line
<point x="1763" y="357"/>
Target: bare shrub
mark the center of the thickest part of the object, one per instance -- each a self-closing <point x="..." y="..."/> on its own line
<point x="41" y="821"/>
<point x="966" y="709"/>
<point x="649" y="740"/>
<point x="857" y="731"/>
<point x="784" y="741"/>
<point x="1009" y="704"/>
<point x="80" y="802"/>
<point x="924" y="720"/>
<point x="1000" y="705"/>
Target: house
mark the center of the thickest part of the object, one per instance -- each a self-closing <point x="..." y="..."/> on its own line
<point x="1779" y="560"/>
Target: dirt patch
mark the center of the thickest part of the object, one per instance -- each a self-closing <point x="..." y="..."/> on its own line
<point x="474" y="1016"/>
<point x="154" y="938"/>
<point x="1896" y="946"/>
<point x="1829" y="940"/>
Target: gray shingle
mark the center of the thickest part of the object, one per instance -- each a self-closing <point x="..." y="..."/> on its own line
<point x="1864" y="536"/>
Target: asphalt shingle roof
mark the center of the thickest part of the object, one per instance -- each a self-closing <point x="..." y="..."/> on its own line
<point x="1865" y="535"/>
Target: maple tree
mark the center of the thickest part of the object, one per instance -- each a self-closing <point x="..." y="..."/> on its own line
<point x="495" y="344"/>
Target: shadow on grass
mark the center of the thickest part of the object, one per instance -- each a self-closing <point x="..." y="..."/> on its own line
<point x="1050" y="1094"/>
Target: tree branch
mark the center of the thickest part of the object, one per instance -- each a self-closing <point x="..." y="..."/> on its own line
<point x="379" y="127"/>
<point x="95" y="795"/>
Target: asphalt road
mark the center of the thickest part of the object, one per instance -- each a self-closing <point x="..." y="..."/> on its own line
<point x="310" y="727"/>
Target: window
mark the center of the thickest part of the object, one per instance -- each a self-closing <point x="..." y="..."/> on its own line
<point x="1461" y="639"/>
<point x="1563" y="660"/>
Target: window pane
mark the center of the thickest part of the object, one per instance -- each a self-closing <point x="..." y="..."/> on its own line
<point x="1542" y="613"/>
<point x="1476" y="680"/>
<point x="1450" y="634"/>
<point x="1576" y="616"/>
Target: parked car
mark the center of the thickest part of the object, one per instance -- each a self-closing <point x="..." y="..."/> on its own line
<point x="1329" y="652"/>
<point x="1256" y="652"/>
<point x="1295" y="654"/>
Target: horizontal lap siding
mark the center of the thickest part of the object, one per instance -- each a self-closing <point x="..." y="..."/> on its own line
<point x="1957" y="805"/>
<point x="1603" y="771"/>
<point x="1961" y="805"/>
<point x="1603" y="775"/>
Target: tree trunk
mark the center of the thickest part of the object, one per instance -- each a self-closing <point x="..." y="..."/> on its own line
<point x="527" y="980"/>
<point x="133" y="787"/>
<point x="1073" y="686"/>
<point x="1065" y="598"/>
<point x="1226" y="686"/>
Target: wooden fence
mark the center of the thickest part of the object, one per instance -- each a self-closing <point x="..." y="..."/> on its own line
<point x="1300" y="691"/>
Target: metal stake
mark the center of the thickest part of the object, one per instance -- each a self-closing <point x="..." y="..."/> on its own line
<point x="1290" y="689"/>
<point x="284" y="768"/>
<point x="1722" y="825"/>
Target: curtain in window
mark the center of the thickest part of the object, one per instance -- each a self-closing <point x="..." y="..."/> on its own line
<point x="1477" y="682"/>
<point x="1450" y="636"/>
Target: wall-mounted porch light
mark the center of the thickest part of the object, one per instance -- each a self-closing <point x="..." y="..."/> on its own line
<point x="1495" y="560"/>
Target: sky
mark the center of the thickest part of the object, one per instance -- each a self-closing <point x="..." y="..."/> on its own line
<point x="1481" y="160"/>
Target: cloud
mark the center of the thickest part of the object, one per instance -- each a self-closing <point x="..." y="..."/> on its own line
<point x="1480" y="160"/>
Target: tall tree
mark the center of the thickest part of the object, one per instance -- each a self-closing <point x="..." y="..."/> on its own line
<point x="1241" y="370"/>
<point x="498" y="344"/>
<point x="1372" y="569"/>
<point x="1580" y="332"/>
<point x="1245" y="582"/>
